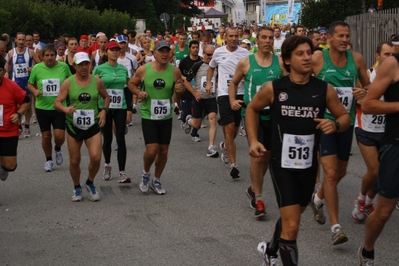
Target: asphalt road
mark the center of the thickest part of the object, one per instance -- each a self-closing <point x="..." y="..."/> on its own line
<point x="204" y="218"/>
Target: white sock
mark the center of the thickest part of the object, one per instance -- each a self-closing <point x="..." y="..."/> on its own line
<point x="361" y="196"/>
<point x="176" y="105"/>
<point x="146" y="173"/>
<point x="334" y="227"/>
<point x="317" y="200"/>
<point x="233" y="165"/>
<point x="107" y="164"/>
<point x="368" y="201"/>
<point x="134" y="106"/>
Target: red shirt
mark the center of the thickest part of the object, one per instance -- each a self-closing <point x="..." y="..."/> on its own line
<point x="93" y="47"/>
<point x="86" y="50"/>
<point x="11" y="96"/>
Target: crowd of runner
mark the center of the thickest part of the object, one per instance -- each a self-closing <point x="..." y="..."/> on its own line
<point x="299" y="99"/>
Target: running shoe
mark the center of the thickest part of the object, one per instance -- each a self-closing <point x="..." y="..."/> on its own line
<point x="370" y="208"/>
<point x="260" y="210"/>
<point x="26" y="133"/>
<point x="338" y="237"/>
<point x="242" y="133"/>
<point x="318" y="213"/>
<point x="212" y="152"/>
<point x="33" y="119"/>
<point x="267" y="260"/>
<point x="362" y="261"/>
<point x="48" y="166"/>
<point x="123" y="178"/>
<point x="156" y="186"/>
<point x="358" y="210"/>
<point x="77" y="194"/>
<point x="3" y="174"/>
<point x="196" y="139"/>
<point x="203" y="125"/>
<point x="93" y="195"/>
<point x="116" y="147"/>
<point x="251" y="195"/>
<point x="234" y="173"/>
<point x="187" y="127"/>
<point x="143" y="186"/>
<point x="179" y="116"/>
<point x="130" y="124"/>
<point x="134" y="110"/>
<point x="225" y="155"/>
<point x="397" y="205"/>
<point x="176" y="110"/>
<point x="58" y="157"/>
<point x="107" y="172"/>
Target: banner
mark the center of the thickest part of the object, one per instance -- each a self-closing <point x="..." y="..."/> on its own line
<point x="290" y="10"/>
<point x="277" y="14"/>
<point x="211" y="3"/>
<point x="263" y="11"/>
<point x="237" y="10"/>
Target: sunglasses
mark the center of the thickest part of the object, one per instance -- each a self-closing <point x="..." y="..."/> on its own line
<point x="208" y="54"/>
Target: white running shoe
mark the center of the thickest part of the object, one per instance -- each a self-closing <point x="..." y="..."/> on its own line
<point x="58" y="157"/>
<point x="107" y="172"/>
<point x="156" y="186"/>
<point x="3" y="174"/>
<point x="77" y="194"/>
<point x="48" y="166"/>
<point x="267" y="260"/>
<point x="145" y="179"/>
<point x="93" y="194"/>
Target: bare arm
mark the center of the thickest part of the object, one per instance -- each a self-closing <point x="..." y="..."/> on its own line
<point x="263" y="98"/>
<point x="135" y="81"/>
<point x="386" y="75"/>
<point x="179" y="86"/>
<point x="337" y="110"/>
<point x="209" y="76"/>
<point x="104" y="94"/>
<point x="62" y="95"/>
<point x="280" y="61"/>
<point x="241" y="70"/>
<point x="317" y="62"/>
<point x="35" y="57"/>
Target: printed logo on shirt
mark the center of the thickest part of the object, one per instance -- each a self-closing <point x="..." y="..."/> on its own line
<point x="331" y="71"/>
<point x="282" y="97"/>
<point x="159" y="84"/>
<point x="84" y="98"/>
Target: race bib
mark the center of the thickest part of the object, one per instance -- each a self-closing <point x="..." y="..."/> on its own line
<point x="257" y="90"/>
<point x="83" y="119"/>
<point x="203" y="84"/>
<point x="51" y="87"/>
<point x="177" y="63"/>
<point x="160" y="109"/>
<point x="116" y="97"/>
<point x="345" y="96"/>
<point x="373" y="123"/>
<point x="297" y="151"/>
<point x="21" y="70"/>
<point x="227" y="80"/>
<point x="1" y="116"/>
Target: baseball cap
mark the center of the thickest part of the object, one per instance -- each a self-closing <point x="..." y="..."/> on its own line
<point x="121" y="38"/>
<point x="395" y="38"/>
<point x="323" y="31"/>
<point x="84" y="37"/>
<point x="81" y="57"/>
<point x="111" y="45"/>
<point x="162" y="44"/>
<point x="246" y="41"/>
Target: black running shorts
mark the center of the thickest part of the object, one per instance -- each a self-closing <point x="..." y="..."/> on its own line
<point x="8" y="146"/>
<point x="48" y="118"/>
<point x="228" y="115"/>
<point x="293" y="187"/>
<point x="157" y="131"/>
<point x="387" y="184"/>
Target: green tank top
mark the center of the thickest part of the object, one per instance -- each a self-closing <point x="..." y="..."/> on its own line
<point x="86" y="99"/>
<point x="256" y="76"/>
<point x="159" y="86"/>
<point x="343" y="79"/>
<point x="181" y="54"/>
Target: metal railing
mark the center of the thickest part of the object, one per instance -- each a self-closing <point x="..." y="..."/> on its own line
<point x="367" y="30"/>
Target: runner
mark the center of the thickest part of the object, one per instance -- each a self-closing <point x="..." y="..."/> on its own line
<point x="83" y="120"/>
<point x="386" y="84"/>
<point x="203" y="101"/>
<point x="114" y="77"/>
<point x="14" y="102"/>
<point x="48" y="77"/>
<point x="226" y="59"/>
<point x="369" y="130"/>
<point x="19" y="67"/>
<point x="255" y="70"/>
<point x="297" y="105"/>
<point x="160" y="79"/>
<point x="341" y="68"/>
<point x="100" y="52"/>
<point x="72" y="46"/>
